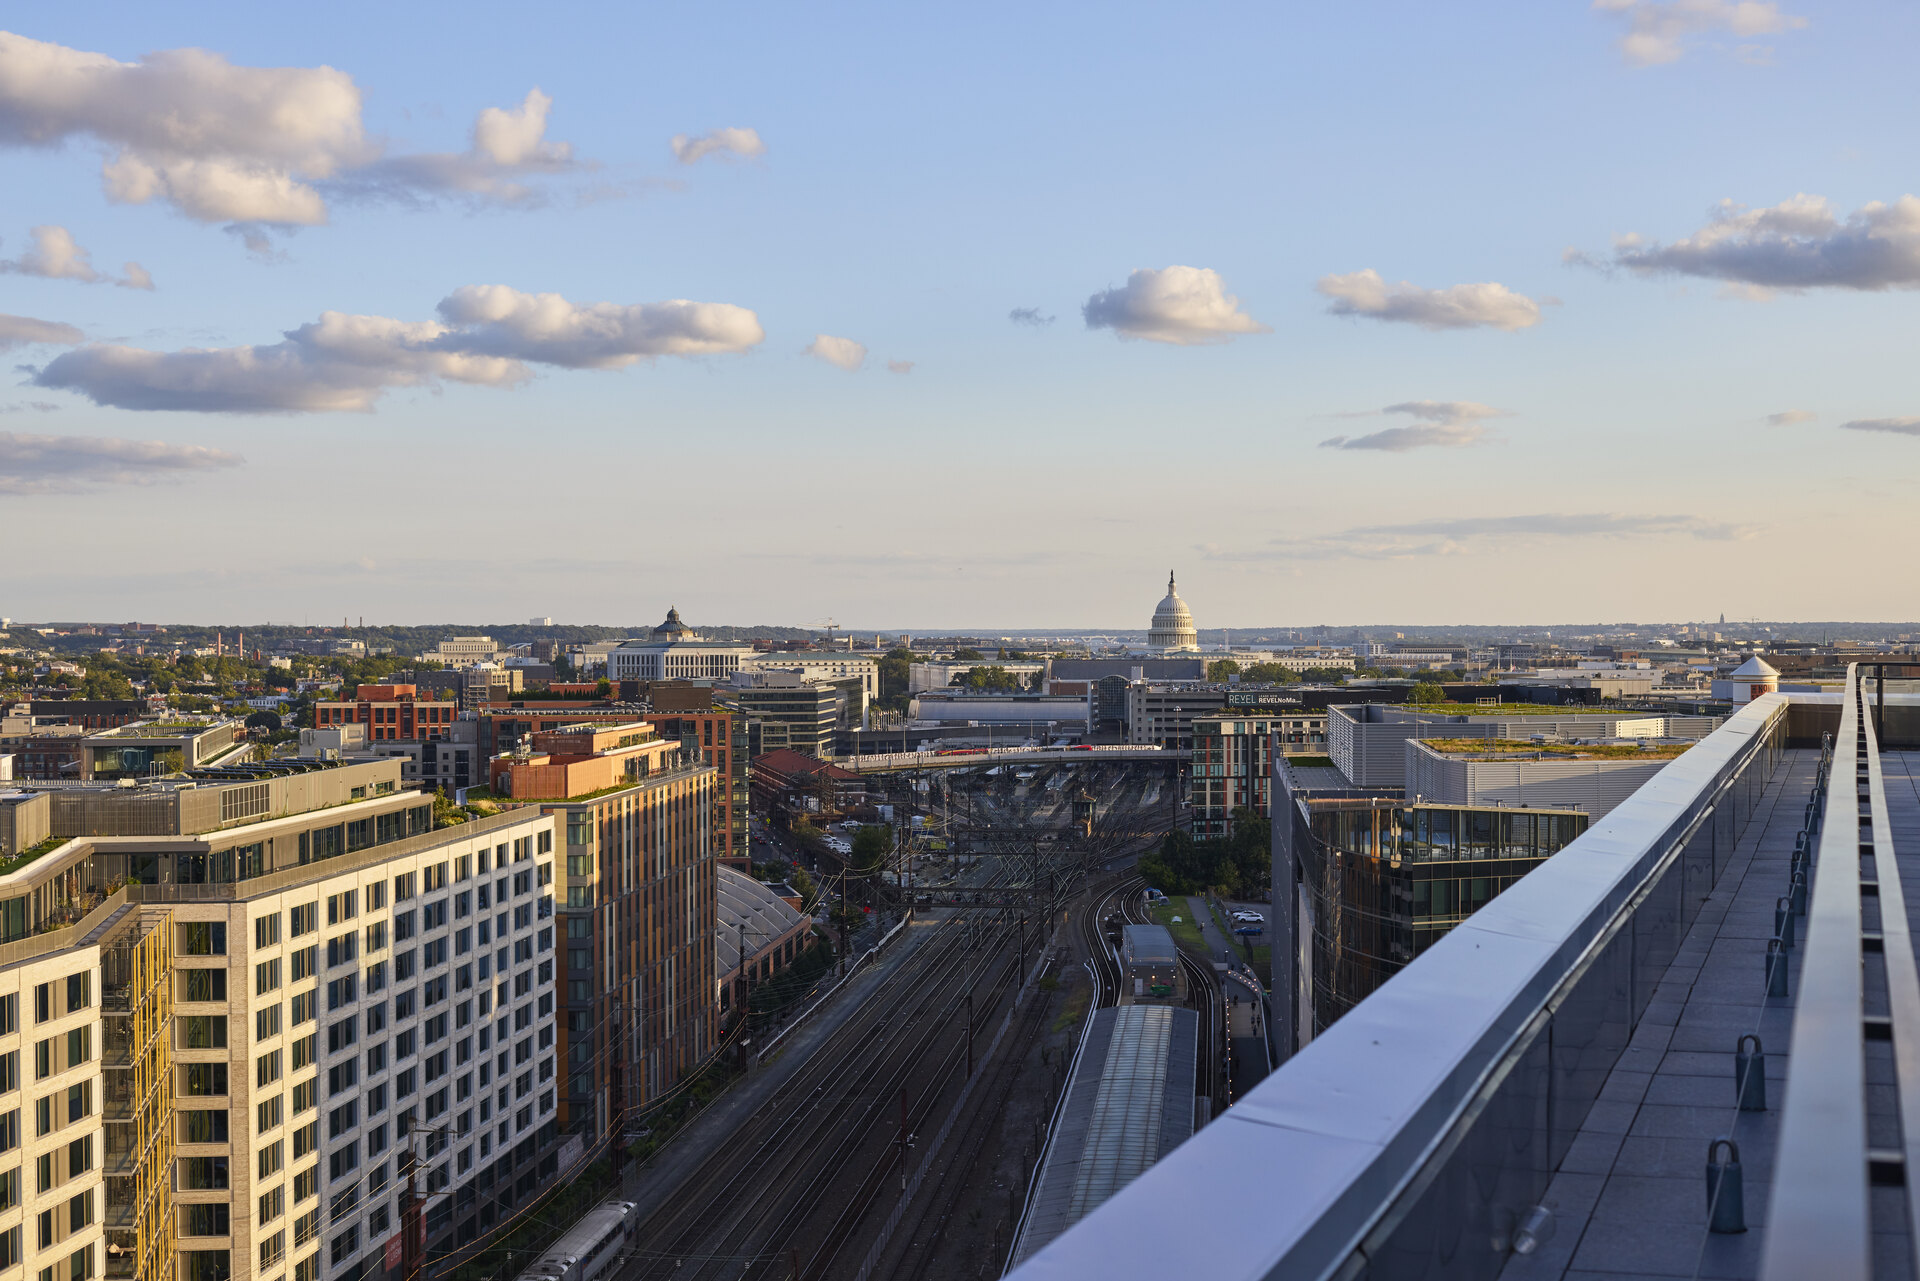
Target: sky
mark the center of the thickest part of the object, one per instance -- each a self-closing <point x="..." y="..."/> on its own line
<point x="959" y="318"/>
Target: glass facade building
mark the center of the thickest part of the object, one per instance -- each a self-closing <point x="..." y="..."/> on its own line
<point x="1380" y="880"/>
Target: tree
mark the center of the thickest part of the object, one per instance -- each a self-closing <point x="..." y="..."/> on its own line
<point x="968" y="656"/>
<point x="604" y="688"/>
<point x="895" y="669"/>
<point x="1267" y="674"/>
<point x="1427" y="692"/>
<point x="1220" y="669"/>
<point x="986" y="678"/>
<point x="263" y="720"/>
<point x="871" y="845"/>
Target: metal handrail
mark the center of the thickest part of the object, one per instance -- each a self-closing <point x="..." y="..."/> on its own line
<point x="1819" y="1221"/>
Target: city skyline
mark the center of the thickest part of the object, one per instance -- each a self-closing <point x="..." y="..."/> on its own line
<point x="1592" y="308"/>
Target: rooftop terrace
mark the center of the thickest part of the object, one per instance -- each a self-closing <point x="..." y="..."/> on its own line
<point x="1535" y="1096"/>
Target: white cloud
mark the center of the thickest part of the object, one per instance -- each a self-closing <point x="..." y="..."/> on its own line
<point x="1463" y="535"/>
<point x="507" y="145"/>
<point x="1893" y="426"/>
<point x="56" y="256"/>
<point x="32" y="464"/>
<point x="900" y="366"/>
<point x="1180" y="305"/>
<point x="547" y="329"/>
<point x="1364" y="293"/>
<point x="1659" y="31"/>
<point x="843" y="353"/>
<point x="1788" y="417"/>
<point x="727" y="144"/>
<point x="252" y="146"/>
<point x="1030" y="316"/>
<point x="1443" y="424"/>
<point x="21" y="331"/>
<point x="1796" y="244"/>
<point x="489" y="335"/>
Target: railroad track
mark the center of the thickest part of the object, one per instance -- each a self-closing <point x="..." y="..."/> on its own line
<point x="744" y="1210"/>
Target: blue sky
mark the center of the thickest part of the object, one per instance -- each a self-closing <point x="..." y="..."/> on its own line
<point x="1599" y="448"/>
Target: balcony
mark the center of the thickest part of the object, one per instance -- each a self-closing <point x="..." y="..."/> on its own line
<point x="1534" y="1096"/>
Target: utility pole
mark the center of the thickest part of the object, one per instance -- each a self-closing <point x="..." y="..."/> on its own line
<point x="903" y="1139"/>
<point x="969" y="1017"/>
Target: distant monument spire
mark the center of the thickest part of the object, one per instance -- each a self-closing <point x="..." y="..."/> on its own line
<point x="1169" y="580"/>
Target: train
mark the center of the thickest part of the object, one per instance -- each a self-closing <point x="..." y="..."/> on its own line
<point x="1150" y="964"/>
<point x="591" y="1247"/>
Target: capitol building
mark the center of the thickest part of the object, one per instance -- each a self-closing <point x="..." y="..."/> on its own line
<point x="1173" y="631"/>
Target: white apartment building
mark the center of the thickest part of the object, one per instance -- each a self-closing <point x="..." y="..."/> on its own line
<point x="234" y="1076"/>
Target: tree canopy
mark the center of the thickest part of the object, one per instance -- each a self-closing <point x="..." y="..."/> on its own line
<point x="1241" y="864"/>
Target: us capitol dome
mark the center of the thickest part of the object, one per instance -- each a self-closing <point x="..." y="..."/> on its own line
<point x="1173" y="628"/>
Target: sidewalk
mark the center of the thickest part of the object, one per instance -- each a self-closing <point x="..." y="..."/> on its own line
<point x="1219" y="946"/>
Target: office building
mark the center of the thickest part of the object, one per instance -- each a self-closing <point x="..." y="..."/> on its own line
<point x="807" y="712"/>
<point x="1368" y="742"/>
<point x="1379" y="880"/>
<point x="857" y="672"/>
<point x="438" y="745"/>
<point x="1590" y="777"/>
<point x="391" y="713"/>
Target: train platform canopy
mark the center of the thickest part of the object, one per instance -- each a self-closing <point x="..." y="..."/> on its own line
<point x="748" y="907"/>
<point x="1150" y="945"/>
<point x="1130" y="1102"/>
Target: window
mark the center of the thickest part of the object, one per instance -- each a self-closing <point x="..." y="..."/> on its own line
<point x="376" y="1098"/>
<point x="303" y="920"/>
<point x="266" y="930"/>
<point x="9" y="1013"/>
<point x="270" y="1113"/>
<point x="342" y="906"/>
<point x="202" y="1173"/>
<point x="343" y="1162"/>
<point x="202" y="938"/>
<point x="342" y="1077"/>
<point x="9" y="1190"/>
<point x="306" y="1184"/>
<point x="273" y="1204"/>
<point x="205" y="1265"/>
<point x="304" y="1052"/>
<point x="342" y="1034"/>
<point x="402" y="927"/>
<point x="403" y="887"/>
<point x="272" y="1158"/>
<point x="403" y="967"/>
<point x="403" y="1005"/>
<point x="433" y="877"/>
<point x="273" y="1250"/>
<point x="403" y="1083"/>
<point x="303" y="1095"/>
<point x="206" y="1079"/>
<point x="266" y="975"/>
<point x="463" y="903"/>
<point x="377" y="977"/>
<point x="462" y="940"/>
<point x="306" y="1139"/>
<point x="266" y="1022"/>
<point x="207" y="1125"/>
<point x="343" y="991"/>
<point x="376" y="936"/>
<point x="10" y="1130"/>
<point x="203" y="985"/>
<point x="10" y="1242"/>
<point x="342" y="949"/>
<point x="403" y="1044"/>
<point x="377" y="1058"/>
<point x="343" y="1118"/>
<point x="434" y="915"/>
<point x="306" y="962"/>
<point x="202" y="1031"/>
<point x="303" y="1003"/>
<point x="346" y="1244"/>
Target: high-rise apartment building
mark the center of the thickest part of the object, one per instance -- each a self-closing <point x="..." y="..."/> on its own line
<point x="635" y="812"/>
<point x="229" y="1037"/>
